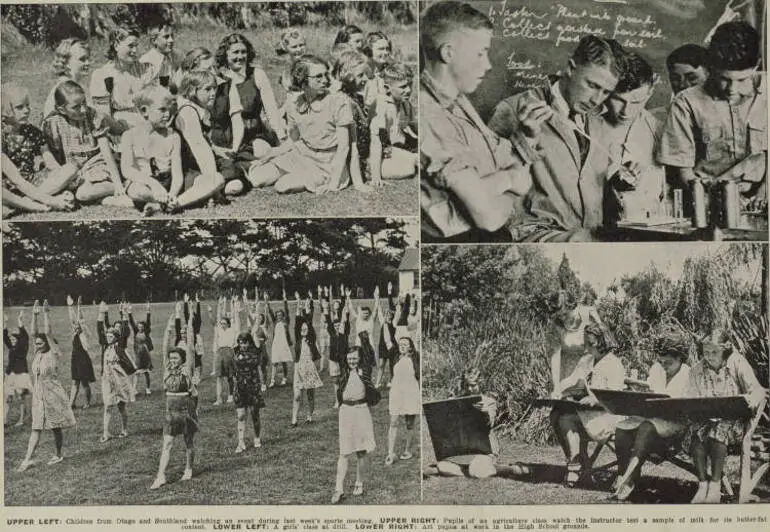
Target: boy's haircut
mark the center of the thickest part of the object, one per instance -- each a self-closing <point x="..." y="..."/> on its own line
<point x="288" y="35"/>
<point x="441" y="19"/>
<point x="395" y="72"/>
<point x="63" y="53"/>
<point x="65" y="91"/>
<point x="156" y="24"/>
<point x="193" y="58"/>
<point x="637" y="72"/>
<point x="346" y="69"/>
<point x="593" y="50"/>
<point x="152" y="94"/>
<point x="688" y="54"/>
<point x="192" y="81"/>
<point x="11" y="93"/>
<point x="734" y="46"/>
<point x="227" y="42"/>
<point x="300" y="70"/>
<point x="117" y="36"/>
<point x="343" y="36"/>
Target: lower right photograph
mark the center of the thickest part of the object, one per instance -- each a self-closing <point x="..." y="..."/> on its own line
<point x="595" y="374"/>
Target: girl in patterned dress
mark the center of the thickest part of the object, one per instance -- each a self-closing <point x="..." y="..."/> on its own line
<point x="50" y="407"/>
<point x="355" y="394"/>
<point x="180" y="380"/>
<point x="404" y="399"/>
<point x="82" y="369"/>
<point x="76" y="135"/>
<point x="117" y="389"/>
<point x="142" y="348"/>
<point x="249" y="385"/>
<point x="721" y="372"/>
<point x="33" y="180"/>
<point x="306" y="356"/>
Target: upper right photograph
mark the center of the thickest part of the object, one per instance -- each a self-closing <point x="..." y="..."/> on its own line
<point x="593" y="120"/>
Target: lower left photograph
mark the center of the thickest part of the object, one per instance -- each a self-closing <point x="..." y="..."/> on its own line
<point x="216" y="362"/>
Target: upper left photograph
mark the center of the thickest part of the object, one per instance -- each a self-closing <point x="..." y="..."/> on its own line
<point x="209" y="110"/>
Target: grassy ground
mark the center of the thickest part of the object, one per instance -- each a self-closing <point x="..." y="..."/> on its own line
<point x="664" y="483"/>
<point x="30" y="66"/>
<point x="294" y="466"/>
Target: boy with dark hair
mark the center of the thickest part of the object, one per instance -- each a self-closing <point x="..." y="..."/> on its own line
<point x="718" y="132"/>
<point x="638" y="184"/>
<point x="470" y="176"/>
<point x="566" y="198"/>
<point x="687" y="66"/>
<point x="163" y="61"/>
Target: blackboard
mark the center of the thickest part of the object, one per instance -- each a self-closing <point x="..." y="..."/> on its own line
<point x="533" y="39"/>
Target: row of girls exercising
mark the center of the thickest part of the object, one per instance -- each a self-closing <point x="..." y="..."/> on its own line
<point x="242" y="356"/>
<point x="167" y="132"/>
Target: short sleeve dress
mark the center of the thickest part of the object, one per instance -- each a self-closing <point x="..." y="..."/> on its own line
<point x="404" y="398"/>
<point x="316" y="123"/>
<point x="116" y="384"/>
<point x="181" y="416"/>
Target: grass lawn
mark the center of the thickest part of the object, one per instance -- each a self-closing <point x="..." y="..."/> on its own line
<point x="664" y="483"/>
<point x="30" y="66"/>
<point x="294" y="466"/>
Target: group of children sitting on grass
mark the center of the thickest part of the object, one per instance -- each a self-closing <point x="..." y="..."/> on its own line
<point x="164" y="131"/>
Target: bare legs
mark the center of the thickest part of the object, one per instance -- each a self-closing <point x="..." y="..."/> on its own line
<point x="298" y="402"/>
<point x="342" y="471"/>
<point x="165" y="455"/>
<point x="409" y="421"/>
<point x="108" y="418"/>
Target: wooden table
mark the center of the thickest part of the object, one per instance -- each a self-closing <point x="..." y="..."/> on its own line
<point x="680" y="231"/>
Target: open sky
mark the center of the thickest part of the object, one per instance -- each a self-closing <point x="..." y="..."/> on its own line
<point x="600" y="264"/>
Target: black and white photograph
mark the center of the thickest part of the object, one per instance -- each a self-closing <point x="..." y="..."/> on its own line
<point x="593" y="120"/>
<point x="209" y="110"/>
<point x="595" y="374"/>
<point x="211" y="362"/>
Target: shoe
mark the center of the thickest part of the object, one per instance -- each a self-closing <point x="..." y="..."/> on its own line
<point x="358" y="489"/>
<point x="390" y="459"/>
<point x="19" y="423"/>
<point x="55" y="460"/>
<point x="624" y="491"/>
<point x="308" y="421"/>
<point x="714" y="495"/>
<point x="700" y="495"/>
<point x="283" y="382"/>
<point x="24" y="465"/>
<point x="86" y="406"/>
<point x="123" y="434"/>
<point x="337" y="497"/>
<point x="293" y="424"/>
<point x="406" y="456"/>
<point x="336" y="406"/>
<point x="105" y="438"/>
<point x="148" y="392"/>
<point x="159" y="481"/>
<point x="271" y="385"/>
<point x="230" y="400"/>
<point x="217" y="403"/>
<point x="241" y="448"/>
<point x="187" y="474"/>
<point x="213" y="374"/>
<point x="151" y="209"/>
<point x="387" y="385"/>
<point x="257" y="443"/>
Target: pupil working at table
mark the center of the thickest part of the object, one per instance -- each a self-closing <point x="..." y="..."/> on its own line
<point x="581" y="153"/>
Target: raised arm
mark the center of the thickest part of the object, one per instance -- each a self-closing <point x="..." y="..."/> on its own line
<point x="286" y="306"/>
<point x="101" y="324"/>
<point x="269" y="314"/>
<point x="148" y="320"/>
<point x="197" y="316"/>
<point x="309" y="307"/>
<point x="190" y="347"/>
<point x="35" y="314"/>
<point x="170" y="328"/>
<point x="376" y="312"/>
<point x="47" y="322"/>
<point x="132" y="322"/>
<point x="71" y="310"/>
<point x="177" y="322"/>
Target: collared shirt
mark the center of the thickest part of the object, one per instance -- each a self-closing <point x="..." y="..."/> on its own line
<point x="709" y="135"/>
<point x="734" y="377"/>
<point x="454" y="143"/>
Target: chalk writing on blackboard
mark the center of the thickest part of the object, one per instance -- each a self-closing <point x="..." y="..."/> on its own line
<point x="563" y="25"/>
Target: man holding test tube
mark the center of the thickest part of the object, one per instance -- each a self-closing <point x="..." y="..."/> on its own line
<point x="570" y="157"/>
